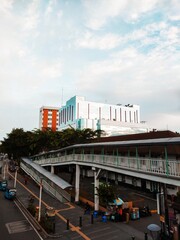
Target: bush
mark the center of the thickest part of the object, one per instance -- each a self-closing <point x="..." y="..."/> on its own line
<point x="47" y="224"/>
<point x="31" y="208"/>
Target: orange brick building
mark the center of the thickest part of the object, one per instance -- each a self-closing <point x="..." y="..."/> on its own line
<point x="49" y="118"/>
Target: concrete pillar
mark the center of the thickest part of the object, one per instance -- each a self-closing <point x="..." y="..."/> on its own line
<point x="96" y="196"/>
<point x="52" y="169"/>
<point x="116" y="178"/>
<point x="77" y="183"/>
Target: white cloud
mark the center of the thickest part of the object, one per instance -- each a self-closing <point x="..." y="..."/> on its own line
<point x="106" y="42"/>
<point x="100" y="12"/>
<point x="6" y="6"/>
<point x="31" y="16"/>
<point x="51" y="70"/>
<point x="133" y="75"/>
<point x="164" y="121"/>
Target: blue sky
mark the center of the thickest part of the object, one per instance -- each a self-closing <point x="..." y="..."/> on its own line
<point x="109" y="51"/>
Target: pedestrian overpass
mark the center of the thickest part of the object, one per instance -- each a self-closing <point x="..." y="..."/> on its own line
<point x="123" y="157"/>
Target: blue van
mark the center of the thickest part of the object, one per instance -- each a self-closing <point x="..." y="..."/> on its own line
<point x="3" y="185"/>
<point x="10" y="193"/>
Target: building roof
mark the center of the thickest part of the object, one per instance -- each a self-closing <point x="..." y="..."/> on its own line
<point x="139" y="136"/>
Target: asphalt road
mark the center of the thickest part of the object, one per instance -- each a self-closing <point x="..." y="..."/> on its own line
<point x="13" y="224"/>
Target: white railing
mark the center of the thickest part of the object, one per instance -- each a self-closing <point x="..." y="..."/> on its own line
<point x="48" y="185"/>
<point x="170" y="168"/>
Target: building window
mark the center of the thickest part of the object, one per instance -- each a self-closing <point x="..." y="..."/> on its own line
<point x="129" y="116"/>
<point x="72" y="113"/>
<point x="67" y="114"/>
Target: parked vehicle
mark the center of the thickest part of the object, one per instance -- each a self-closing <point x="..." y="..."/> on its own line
<point x="10" y="193"/>
<point x="3" y="185"/>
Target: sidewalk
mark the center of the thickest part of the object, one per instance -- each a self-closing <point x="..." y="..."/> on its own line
<point x="97" y="230"/>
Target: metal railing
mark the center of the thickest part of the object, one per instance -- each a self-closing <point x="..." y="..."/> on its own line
<point x="48" y="184"/>
<point x="149" y="165"/>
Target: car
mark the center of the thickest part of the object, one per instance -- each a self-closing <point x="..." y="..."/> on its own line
<point x="3" y="185"/>
<point x="10" y="193"/>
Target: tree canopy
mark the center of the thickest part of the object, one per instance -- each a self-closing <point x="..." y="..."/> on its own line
<point x="106" y="193"/>
<point x="20" y="143"/>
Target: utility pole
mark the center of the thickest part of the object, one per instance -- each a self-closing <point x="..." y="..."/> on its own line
<point x="166" y="210"/>
<point x="40" y="199"/>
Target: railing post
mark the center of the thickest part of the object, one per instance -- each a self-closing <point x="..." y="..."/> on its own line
<point x="137" y="160"/>
<point x="80" y="221"/>
<point x="67" y="224"/>
<point x="128" y="158"/>
<point x="145" y="236"/>
<point x="92" y="219"/>
<point x="167" y="163"/>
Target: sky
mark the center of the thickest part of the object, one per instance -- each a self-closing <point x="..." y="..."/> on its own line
<point x="109" y="51"/>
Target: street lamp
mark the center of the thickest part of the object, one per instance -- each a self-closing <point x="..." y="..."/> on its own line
<point x="154" y="231"/>
<point x="40" y="199"/>
<point x="15" y="178"/>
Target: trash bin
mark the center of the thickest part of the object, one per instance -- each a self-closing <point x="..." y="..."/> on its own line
<point x="135" y="213"/>
<point x="104" y="219"/>
<point x="95" y="214"/>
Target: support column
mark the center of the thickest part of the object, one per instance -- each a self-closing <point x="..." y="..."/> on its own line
<point x="116" y="179"/>
<point x="77" y="183"/>
<point x="96" y="187"/>
<point x="52" y="169"/>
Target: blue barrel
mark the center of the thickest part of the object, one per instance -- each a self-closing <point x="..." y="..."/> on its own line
<point x="95" y="214"/>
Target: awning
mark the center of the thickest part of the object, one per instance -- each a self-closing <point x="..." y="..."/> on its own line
<point x="118" y="201"/>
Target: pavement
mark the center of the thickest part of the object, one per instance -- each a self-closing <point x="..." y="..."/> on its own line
<point x="81" y="226"/>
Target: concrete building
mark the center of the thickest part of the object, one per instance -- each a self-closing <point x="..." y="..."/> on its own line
<point x="113" y="119"/>
<point x="49" y="118"/>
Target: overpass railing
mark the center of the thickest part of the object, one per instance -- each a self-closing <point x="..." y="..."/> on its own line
<point x="48" y="184"/>
<point x="163" y="167"/>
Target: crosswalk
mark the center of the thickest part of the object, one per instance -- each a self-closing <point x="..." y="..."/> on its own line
<point x="18" y="226"/>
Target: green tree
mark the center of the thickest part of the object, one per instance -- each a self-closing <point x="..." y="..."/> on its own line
<point x="16" y="144"/>
<point x="106" y="193"/>
<point x="20" y="143"/>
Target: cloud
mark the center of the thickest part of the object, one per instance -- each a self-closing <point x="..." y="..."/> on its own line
<point x="51" y="70"/>
<point x="99" y="13"/>
<point x="135" y="77"/>
<point x="31" y="16"/>
<point x="105" y="42"/>
<point x="164" y="121"/>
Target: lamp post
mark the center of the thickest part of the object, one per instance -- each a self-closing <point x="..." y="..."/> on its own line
<point x="40" y="199"/>
<point x="15" y="178"/>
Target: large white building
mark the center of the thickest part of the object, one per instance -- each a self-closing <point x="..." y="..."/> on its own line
<point x="113" y="119"/>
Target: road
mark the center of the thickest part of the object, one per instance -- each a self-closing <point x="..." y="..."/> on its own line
<point x="13" y="225"/>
